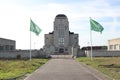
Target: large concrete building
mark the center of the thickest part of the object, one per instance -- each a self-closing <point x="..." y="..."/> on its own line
<point x="61" y="40"/>
<point x="114" y="44"/>
<point x="7" y="44"/>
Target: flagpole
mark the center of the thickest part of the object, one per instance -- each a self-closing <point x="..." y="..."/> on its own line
<point x="91" y="44"/>
<point x="30" y="45"/>
<point x="34" y="28"/>
<point x="95" y="26"/>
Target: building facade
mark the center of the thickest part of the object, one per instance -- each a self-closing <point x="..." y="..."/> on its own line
<point x="61" y="40"/>
<point x="7" y="44"/>
<point x="114" y="44"/>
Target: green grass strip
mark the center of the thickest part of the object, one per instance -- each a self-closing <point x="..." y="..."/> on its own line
<point x="107" y="65"/>
<point x="14" y="68"/>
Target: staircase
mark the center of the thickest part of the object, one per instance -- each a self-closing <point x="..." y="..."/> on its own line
<point x="61" y="56"/>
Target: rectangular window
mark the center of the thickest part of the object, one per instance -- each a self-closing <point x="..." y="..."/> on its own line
<point x="0" y="47"/>
<point x="111" y="47"/>
<point x="61" y="41"/>
<point x="115" y="47"/>
<point x="119" y="46"/>
<point x="11" y="47"/>
<point x="6" y="47"/>
<point x="56" y="49"/>
<point x="66" y="49"/>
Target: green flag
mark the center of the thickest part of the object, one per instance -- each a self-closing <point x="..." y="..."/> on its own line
<point x="34" y="28"/>
<point x="95" y="26"/>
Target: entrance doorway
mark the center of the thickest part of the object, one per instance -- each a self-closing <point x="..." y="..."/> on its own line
<point x="61" y="50"/>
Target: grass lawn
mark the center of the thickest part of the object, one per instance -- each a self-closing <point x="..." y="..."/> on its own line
<point x="107" y="65"/>
<point x="14" y="68"/>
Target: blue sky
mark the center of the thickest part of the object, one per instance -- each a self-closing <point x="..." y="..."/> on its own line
<point x="15" y="19"/>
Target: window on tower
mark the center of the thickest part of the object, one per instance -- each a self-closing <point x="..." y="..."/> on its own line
<point x="61" y="41"/>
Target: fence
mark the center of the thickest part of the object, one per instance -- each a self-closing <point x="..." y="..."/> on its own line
<point x="21" y="54"/>
<point x="102" y="53"/>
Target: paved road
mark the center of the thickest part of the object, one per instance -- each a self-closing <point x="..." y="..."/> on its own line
<point x="62" y="69"/>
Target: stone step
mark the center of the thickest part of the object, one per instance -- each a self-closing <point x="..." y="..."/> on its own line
<point x="61" y="56"/>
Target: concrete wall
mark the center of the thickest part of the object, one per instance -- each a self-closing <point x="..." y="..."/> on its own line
<point x="21" y="54"/>
<point x="48" y="39"/>
<point x="103" y="53"/>
<point x="38" y="54"/>
<point x="74" y="40"/>
<point x="81" y="53"/>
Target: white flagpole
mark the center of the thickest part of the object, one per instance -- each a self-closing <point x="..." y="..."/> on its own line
<point x="91" y="44"/>
<point x="30" y="45"/>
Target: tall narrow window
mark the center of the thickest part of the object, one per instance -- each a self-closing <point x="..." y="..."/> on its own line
<point x="115" y="47"/>
<point x="61" y="41"/>
<point x="111" y="47"/>
<point x="119" y="46"/>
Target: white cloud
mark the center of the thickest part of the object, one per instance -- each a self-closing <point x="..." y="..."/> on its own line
<point x="15" y="20"/>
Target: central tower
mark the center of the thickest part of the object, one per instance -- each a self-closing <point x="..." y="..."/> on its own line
<point x="61" y="33"/>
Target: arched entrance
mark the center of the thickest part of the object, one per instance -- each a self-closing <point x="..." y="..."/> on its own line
<point x="61" y="50"/>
